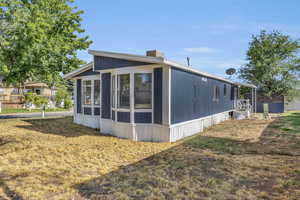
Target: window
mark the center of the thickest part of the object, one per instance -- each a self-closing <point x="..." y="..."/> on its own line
<point x="87" y="92"/>
<point x="216" y="95"/>
<point x="123" y="91"/>
<point x="143" y="90"/>
<point x="225" y="90"/>
<point x="38" y="91"/>
<point x="96" y="92"/>
<point x="113" y="91"/>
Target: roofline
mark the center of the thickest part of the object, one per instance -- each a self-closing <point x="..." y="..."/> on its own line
<point x="156" y="60"/>
<point x="132" y="57"/>
<point x="186" y="68"/>
<point x="148" y="59"/>
<point x="246" y="85"/>
<point x="79" y="70"/>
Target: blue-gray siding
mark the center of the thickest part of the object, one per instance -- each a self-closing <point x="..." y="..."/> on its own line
<point x="113" y="115"/>
<point x="96" y="111"/>
<point x="192" y="96"/>
<point x="142" y="117"/>
<point x="101" y="63"/>
<point x="105" y="97"/>
<point x="89" y="72"/>
<point x="78" y="95"/>
<point x="123" y="116"/>
<point x="157" y="95"/>
<point x="87" y="110"/>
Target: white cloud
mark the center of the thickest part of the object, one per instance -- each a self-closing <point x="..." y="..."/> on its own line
<point x="200" y="50"/>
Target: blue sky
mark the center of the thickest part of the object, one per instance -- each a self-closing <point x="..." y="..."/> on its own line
<point x="213" y="33"/>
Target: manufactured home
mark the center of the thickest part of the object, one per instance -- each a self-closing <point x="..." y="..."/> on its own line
<point x="149" y="98"/>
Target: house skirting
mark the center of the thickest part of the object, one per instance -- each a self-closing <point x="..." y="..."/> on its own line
<point x="150" y="132"/>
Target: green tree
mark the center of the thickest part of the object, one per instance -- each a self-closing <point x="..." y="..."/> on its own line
<point x="39" y="39"/>
<point x="273" y="64"/>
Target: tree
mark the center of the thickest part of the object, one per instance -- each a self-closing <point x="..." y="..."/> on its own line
<point x="273" y="64"/>
<point x="39" y="39"/>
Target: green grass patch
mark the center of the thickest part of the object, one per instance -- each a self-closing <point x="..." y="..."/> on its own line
<point x="22" y="110"/>
<point x="213" y="143"/>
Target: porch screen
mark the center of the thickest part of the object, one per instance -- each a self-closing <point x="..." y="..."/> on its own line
<point x="143" y="90"/>
<point x="124" y="91"/>
<point x="87" y="92"/>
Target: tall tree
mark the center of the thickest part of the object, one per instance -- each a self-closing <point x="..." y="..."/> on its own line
<point x="273" y="64"/>
<point x="39" y="39"/>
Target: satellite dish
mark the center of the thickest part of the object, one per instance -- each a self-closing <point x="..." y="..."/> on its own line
<point x="230" y="71"/>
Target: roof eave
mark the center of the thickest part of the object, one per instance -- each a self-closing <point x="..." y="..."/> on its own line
<point x="78" y="71"/>
<point x="147" y="59"/>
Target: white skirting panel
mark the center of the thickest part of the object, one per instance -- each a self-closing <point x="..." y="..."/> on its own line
<point x="87" y="120"/>
<point x="151" y="132"/>
<point x="106" y="126"/>
<point x="123" y="130"/>
<point x="185" y="129"/>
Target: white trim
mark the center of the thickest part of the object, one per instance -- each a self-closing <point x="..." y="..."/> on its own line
<point x="131" y="99"/>
<point x="132" y="71"/>
<point x="138" y="110"/>
<point x="129" y="69"/>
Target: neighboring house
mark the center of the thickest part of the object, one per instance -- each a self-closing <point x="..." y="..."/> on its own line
<point x="149" y="98"/>
<point x="12" y="96"/>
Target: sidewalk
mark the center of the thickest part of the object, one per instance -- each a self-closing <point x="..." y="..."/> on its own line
<point x="36" y="114"/>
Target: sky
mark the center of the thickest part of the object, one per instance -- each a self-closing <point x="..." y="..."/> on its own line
<point x="215" y="34"/>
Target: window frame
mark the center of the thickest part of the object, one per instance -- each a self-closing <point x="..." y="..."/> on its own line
<point x="84" y="86"/>
<point x="132" y="108"/>
<point x="118" y="92"/>
<point x="216" y="93"/>
<point x="92" y="78"/>
<point x="225" y="90"/>
<point x="151" y="91"/>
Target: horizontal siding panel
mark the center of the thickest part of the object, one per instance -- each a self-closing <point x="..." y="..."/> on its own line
<point x="192" y="96"/>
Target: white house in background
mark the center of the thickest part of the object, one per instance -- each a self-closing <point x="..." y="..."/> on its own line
<point x="149" y="98"/>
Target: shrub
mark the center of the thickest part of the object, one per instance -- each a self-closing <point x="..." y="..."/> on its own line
<point x="40" y="101"/>
<point x="62" y="96"/>
<point x="29" y="97"/>
<point x="68" y="103"/>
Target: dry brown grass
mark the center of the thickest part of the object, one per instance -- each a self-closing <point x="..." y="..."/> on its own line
<point x="55" y="159"/>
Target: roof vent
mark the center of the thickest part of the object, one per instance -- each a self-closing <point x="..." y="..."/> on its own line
<point x="155" y="53"/>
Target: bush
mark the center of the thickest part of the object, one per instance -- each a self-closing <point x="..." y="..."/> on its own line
<point x="62" y="96"/>
<point x="33" y="99"/>
<point x="29" y="97"/>
<point x="40" y="101"/>
<point x="68" y="103"/>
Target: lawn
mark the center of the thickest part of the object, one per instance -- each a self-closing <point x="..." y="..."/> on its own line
<point x="55" y="159"/>
<point x="22" y="110"/>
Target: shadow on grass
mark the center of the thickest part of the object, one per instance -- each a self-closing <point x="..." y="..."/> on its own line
<point x="62" y="126"/>
<point x="201" y="167"/>
<point x="12" y="195"/>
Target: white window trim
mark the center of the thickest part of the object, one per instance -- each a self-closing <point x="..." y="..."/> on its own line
<point x="131" y="109"/>
<point x="92" y="105"/>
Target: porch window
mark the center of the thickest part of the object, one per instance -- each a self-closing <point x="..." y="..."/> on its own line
<point x="143" y="90"/>
<point x="96" y="92"/>
<point x="216" y="94"/>
<point x="87" y="92"/>
<point x="225" y="90"/>
<point x="123" y="91"/>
